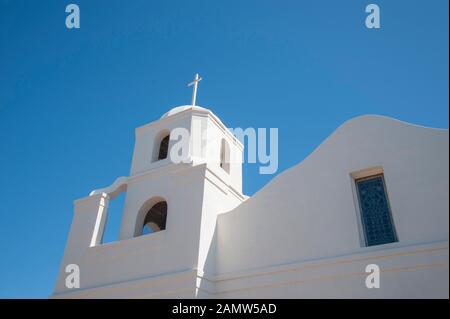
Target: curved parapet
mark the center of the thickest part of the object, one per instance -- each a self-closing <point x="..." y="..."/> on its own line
<point x="310" y="211"/>
<point x="119" y="186"/>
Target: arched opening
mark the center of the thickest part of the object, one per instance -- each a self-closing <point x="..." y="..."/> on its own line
<point x="155" y="218"/>
<point x="163" y="147"/>
<point x="225" y="156"/>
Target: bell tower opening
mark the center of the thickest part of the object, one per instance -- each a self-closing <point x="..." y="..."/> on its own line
<point x="163" y="147"/>
<point x="225" y="156"/>
<point x="155" y="219"/>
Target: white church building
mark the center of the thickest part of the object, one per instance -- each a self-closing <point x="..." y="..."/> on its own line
<point x="375" y="192"/>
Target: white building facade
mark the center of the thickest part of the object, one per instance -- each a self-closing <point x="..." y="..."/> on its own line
<point x="374" y="193"/>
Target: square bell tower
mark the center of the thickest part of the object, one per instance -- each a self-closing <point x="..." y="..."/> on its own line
<point x="186" y="169"/>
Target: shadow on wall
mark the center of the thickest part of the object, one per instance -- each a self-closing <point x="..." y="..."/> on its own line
<point x="206" y="288"/>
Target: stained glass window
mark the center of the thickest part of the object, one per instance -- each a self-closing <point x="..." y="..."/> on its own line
<point x="376" y="215"/>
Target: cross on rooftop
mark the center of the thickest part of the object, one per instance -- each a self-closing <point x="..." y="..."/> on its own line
<point x="195" y="83"/>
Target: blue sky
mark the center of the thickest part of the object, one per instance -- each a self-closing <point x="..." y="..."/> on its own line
<point x="71" y="99"/>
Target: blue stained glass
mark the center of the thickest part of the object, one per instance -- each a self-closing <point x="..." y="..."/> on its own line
<point x="375" y="211"/>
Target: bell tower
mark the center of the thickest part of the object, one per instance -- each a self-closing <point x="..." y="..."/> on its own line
<point x="186" y="169"/>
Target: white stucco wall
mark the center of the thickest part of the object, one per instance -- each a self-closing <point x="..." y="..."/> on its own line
<point x="309" y="212"/>
<point x="298" y="237"/>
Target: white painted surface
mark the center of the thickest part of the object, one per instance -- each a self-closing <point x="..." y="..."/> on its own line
<point x="309" y="211"/>
<point x="298" y="237"/>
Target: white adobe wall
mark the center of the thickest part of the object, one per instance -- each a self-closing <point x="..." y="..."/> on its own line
<point x="284" y="242"/>
<point x="222" y="190"/>
<point x="215" y="132"/>
<point x="170" y="251"/>
<point x="417" y="271"/>
<point x="309" y="212"/>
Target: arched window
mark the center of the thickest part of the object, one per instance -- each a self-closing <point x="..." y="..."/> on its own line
<point x="163" y="147"/>
<point x="155" y="219"/>
<point x="225" y="156"/>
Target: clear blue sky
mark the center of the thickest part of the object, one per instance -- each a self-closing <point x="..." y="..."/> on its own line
<point x="71" y="99"/>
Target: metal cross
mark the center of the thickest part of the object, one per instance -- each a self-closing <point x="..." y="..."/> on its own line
<point x="195" y="83"/>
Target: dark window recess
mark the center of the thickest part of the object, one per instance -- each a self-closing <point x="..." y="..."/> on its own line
<point x="376" y="214"/>
<point x="225" y="156"/>
<point x="155" y="220"/>
<point x="163" y="148"/>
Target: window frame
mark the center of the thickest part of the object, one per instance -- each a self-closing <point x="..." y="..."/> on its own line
<point x="367" y="174"/>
